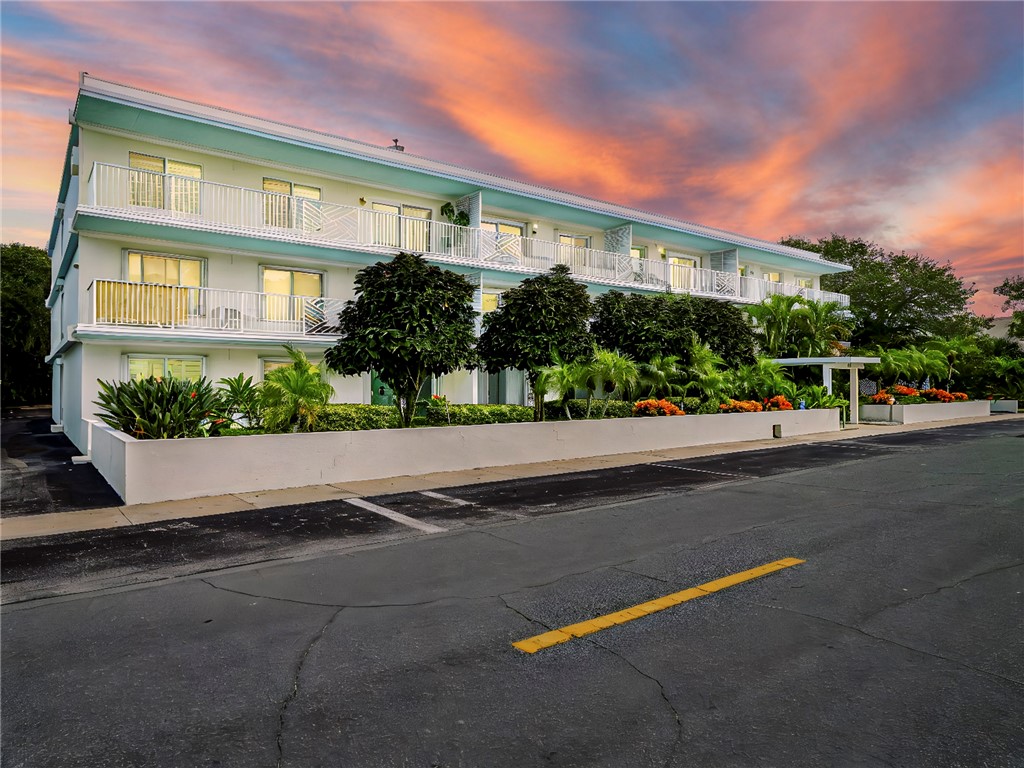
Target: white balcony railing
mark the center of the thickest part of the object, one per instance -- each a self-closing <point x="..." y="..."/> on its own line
<point x="177" y="197"/>
<point x="117" y="302"/>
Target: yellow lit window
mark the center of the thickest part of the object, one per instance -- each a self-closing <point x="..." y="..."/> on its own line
<point x="190" y="368"/>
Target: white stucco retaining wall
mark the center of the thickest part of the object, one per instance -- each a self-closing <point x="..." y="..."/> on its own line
<point x="1003" y="406"/>
<point x="143" y="471"/>
<point x="914" y="414"/>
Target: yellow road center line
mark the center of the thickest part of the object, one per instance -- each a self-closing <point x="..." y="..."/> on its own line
<point x="583" y="628"/>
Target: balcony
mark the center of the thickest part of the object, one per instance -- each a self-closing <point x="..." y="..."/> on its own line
<point x="164" y="198"/>
<point x="211" y="311"/>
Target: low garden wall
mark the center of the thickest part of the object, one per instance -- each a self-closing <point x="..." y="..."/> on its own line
<point x="1003" y="406"/>
<point x="144" y="471"/>
<point x="920" y="412"/>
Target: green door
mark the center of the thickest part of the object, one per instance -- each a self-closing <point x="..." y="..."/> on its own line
<point x="380" y="393"/>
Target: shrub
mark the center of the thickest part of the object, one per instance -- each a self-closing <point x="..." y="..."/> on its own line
<point x="882" y="398"/>
<point x="688" y="404"/>
<point x="349" y="417"/>
<point x="612" y="409"/>
<point x="938" y="395"/>
<point x="778" y="403"/>
<point x="656" y="408"/>
<point x="464" y="414"/>
<point x="741" y="406"/>
<point x="293" y="396"/>
<point x="162" y="408"/>
<point x="241" y="396"/>
<point x="959" y="396"/>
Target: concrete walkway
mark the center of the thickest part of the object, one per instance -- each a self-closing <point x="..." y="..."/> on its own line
<point x="137" y="514"/>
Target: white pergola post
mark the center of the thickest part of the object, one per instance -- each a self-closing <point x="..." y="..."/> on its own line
<point x="826" y="375"/>
<point x="854" y="392"/>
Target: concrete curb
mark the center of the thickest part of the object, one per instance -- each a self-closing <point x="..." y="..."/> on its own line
<point x="76" y="521"/>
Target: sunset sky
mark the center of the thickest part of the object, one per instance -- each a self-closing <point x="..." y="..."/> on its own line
<point x="902" y="123"/>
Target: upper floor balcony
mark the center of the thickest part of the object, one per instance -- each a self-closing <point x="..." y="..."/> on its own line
<point x="166" y="198"/>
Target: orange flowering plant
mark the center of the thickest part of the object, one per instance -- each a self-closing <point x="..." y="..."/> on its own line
<point x="741" y="406"/>
<point x="656" y="408"/>
<point x="882" y="398"/>
<point x="939" y="395"/>
<point x="778" y="403"/>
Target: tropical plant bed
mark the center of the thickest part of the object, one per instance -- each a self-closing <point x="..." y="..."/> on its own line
<point x="914" y="414"/>
<point x="219" y="465"/>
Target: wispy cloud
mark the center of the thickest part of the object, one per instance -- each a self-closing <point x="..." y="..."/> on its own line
<point x="899" y="122"/>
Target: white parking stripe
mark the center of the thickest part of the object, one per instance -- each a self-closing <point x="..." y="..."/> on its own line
<point x="705" y="471"/>
<point x="398" y="517"/>
<point x="442" y="497"/>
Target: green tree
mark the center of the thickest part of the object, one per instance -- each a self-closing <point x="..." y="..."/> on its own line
<point x="645" y="326"/>
<point x="895" y="297"/>
<point x="543" y="320"/>
<point x="409" y="321"/>
<point x="775" y="327"/>
<point x="24" y="324"/>
<point x="1012" y="289"/>
<point x="818" y="327"/>
<point x="293" y="396"/>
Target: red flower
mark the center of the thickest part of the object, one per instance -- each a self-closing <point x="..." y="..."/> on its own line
<point x="193" y="394"/>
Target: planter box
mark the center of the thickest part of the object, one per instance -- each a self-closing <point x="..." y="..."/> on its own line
<point x="144" y="471"/>
<point x="1003" y="406"/>
<point x="914" y="414"/>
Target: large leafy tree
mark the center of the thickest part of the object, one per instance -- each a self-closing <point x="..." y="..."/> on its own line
<point x="542" y="322"/>
<point x="409" y="321"/>
<point x="1012" y="289"/>
<point x="649" y="326"/>
<point x="25" y="332"/>
<point x="895" y="298"/>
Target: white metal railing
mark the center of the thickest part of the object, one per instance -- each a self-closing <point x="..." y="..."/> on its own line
<point x="179" y="197"/>
<point x="118" y="302"/>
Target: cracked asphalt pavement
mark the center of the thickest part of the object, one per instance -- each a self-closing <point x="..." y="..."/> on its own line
<point x="333" y="638"/>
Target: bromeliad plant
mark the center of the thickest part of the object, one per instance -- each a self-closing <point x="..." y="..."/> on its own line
<point x="162" y="408"/>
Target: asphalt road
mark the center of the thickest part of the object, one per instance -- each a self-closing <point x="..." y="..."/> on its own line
<point x="350" y="640"/>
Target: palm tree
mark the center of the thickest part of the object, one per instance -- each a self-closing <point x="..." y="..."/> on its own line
<point x="294" y="395"/>
<point x="563" y="379"/>
<point x="774" y="322"/>
<point x="954" y="351"/>
<point x="818" y="327"/>
<point x="760" y="381"/>
<point x="611" y="375"/>
<point x="660" y="377"/>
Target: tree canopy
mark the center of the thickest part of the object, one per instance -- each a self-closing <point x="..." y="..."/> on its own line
<point x="24" y="324"/>
<point x="409" y="321"/>
<point x="540" y="323"/>
<point x="895" y="298"/>
<point x="649" y="326"/>
<point x="1012" y="289"/>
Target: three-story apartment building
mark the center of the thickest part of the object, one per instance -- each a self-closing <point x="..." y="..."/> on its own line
<point x="191" y="240"/>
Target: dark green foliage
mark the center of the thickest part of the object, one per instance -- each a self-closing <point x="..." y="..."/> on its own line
<point x="541" y="322"/>
<point x="154" y="409"/>
<point x="242" y="431"/>
<point x="895" y="298"/>
<point x="647" y="326"/>
<point x="409" y="321"/>
<point x="611" y="409"/>
<point x="24" y="324"/>
<point x="458" y="415"/>
<point x="461" y="218"/>
<point x="349" y="417"/>
<point x="1012" y="289"/>
<point x="688" y="404"/>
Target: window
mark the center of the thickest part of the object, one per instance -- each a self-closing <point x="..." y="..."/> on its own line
<point x="490" y="302"/>
<point x="683" y="261"/>
<point x="577" y="241"/>
<point x="773" y="277"/>
<point x="159" y="182"/>
<point x="401" y="226"/>
<point x="502" y="227"/>
<point x="292" y="206"/>
<point x="682" y="271"/>
<point x="272" y="364"/>
<point x="805" y="282"/>
<point x="142" y="367"/>
<point x="286" y="289"/>
<point x="164" y="270"/>
<point x="638" y="252"/>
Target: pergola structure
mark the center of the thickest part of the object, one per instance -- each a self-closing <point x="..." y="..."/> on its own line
<point x="829" y="364"/>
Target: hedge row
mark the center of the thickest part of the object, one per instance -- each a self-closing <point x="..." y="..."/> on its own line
<point x="465" y="414"/>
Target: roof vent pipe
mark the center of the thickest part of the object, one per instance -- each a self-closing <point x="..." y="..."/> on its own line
<point x="397" y="146"/>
